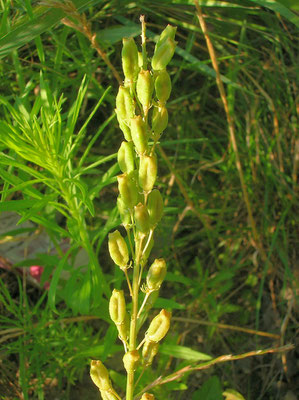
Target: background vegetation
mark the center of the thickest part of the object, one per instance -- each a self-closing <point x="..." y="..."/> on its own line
<point x="229" y="275"/>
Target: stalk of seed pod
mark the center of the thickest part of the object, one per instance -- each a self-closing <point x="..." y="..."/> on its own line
<point x="155" y="207"/>
<point x="100" y="376"/>
<point x="163" y="86"/>
<point x="131" y="360"/>
<point x="124" y="104"/>
<point x="146" y="253"/>
<point x="139" y="134"/>
<point x="144" y="89"/>
<point x="129" y="58"/>
<point x="158" y="327"/>
<point x="163" y="54"/>
<point x="117" y="307"/>
<point x="128" y="190"/>
<point x="118" y="249"/>
<point x="159" y="121"/>
<point x="149" y="351"/>
<point x="125" y="157"/>
<point x="147" y="173"/>
<point x="156" y="274"/>
<point x="141" y="218"/>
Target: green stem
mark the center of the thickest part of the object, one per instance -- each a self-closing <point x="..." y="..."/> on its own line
<point x="133" y="324"/>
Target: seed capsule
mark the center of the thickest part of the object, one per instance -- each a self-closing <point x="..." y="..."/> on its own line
<point x="147" y="173"/>
<point x="155" y="207"/>
<point x="163" y="54"/>
<point x="118" y="249"/>
<point x="130" y="360"/>
<point x="128" y="190"/>
<point x="141" y="218"/>
<point x="147" y="396"/>
<point x="130" y="59"/>
<point x="156" y="274"/>
<point x="123" y="329"/>
<point x="149" y="350"/>
<point x="163" y="86"/>
<point x="117" y="307"/>
<point x="109" y="395"/>
<point x="100" y="375"/>
<point x="159" y="121"/>
<point x="124" y="127"/>
<point x="168" y="32"/>
<point x="124" y="213"/>
<point x="125" y="157"/>
<point x="158" y="327"/>
<point x="124" y="104"/>
<point x="144" y="88"/>
<point x="138" y="133"/>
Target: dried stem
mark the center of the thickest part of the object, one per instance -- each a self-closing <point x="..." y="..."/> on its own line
<point x="231" y="127"/>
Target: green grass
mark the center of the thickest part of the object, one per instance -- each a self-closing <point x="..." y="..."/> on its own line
<point x="58" y="143"/>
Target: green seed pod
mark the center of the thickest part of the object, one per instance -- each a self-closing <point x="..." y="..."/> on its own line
<point x="129" y="58"/>
<point x="156" y="274"/>
<point x="124" y="213"/>
<point x="130" y="360"/>
<point x="117" y="307"/>
<point x="151" y="300"/>
<point x="147" y="173"/>
<point x="118" y="249"/>
<point x="144" y="88"/>
<point x="125" y="157"/>
<point x="100" y="375"/>
<point x="123" y="329"/>
<point x="163" y="86"/>
<point x="124" y="104"/>
<point x="109" y="395"/>
<point x="138" y="133"/>
<point x="159" y="121"/>
<point x="155" y="207"/>
<point x="141" y="218"/>
<point x="163" y="54"/>
<point x="158" y="327"/>
<point x="168" y="32"/>
<point x="147" y="396"/>
<point x="149" y="350"/>
<point x="128" y="190"/>
<point x="140" y="59"/>
<point x="124" y="127"/>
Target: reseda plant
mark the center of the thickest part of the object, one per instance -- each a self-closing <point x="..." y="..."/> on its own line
<point x="141" y="99"/>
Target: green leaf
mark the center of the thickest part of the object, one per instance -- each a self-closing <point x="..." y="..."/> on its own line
<point x="55" y="279"/>
<point x="210" y="390"/>
<point x="183" y="352"/>
<point x="16" y="205"/>
<point x="27" y="29"/>
<point x="168" y="303"/>
<point x="279" y="8"/>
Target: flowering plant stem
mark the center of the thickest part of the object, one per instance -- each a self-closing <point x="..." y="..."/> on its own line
<point x="140" y="100"/>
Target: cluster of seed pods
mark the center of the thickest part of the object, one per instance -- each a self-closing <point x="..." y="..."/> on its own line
<point x="143" y="117"/>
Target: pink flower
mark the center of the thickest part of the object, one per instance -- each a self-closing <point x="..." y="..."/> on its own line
<point x="36" y="272"/>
